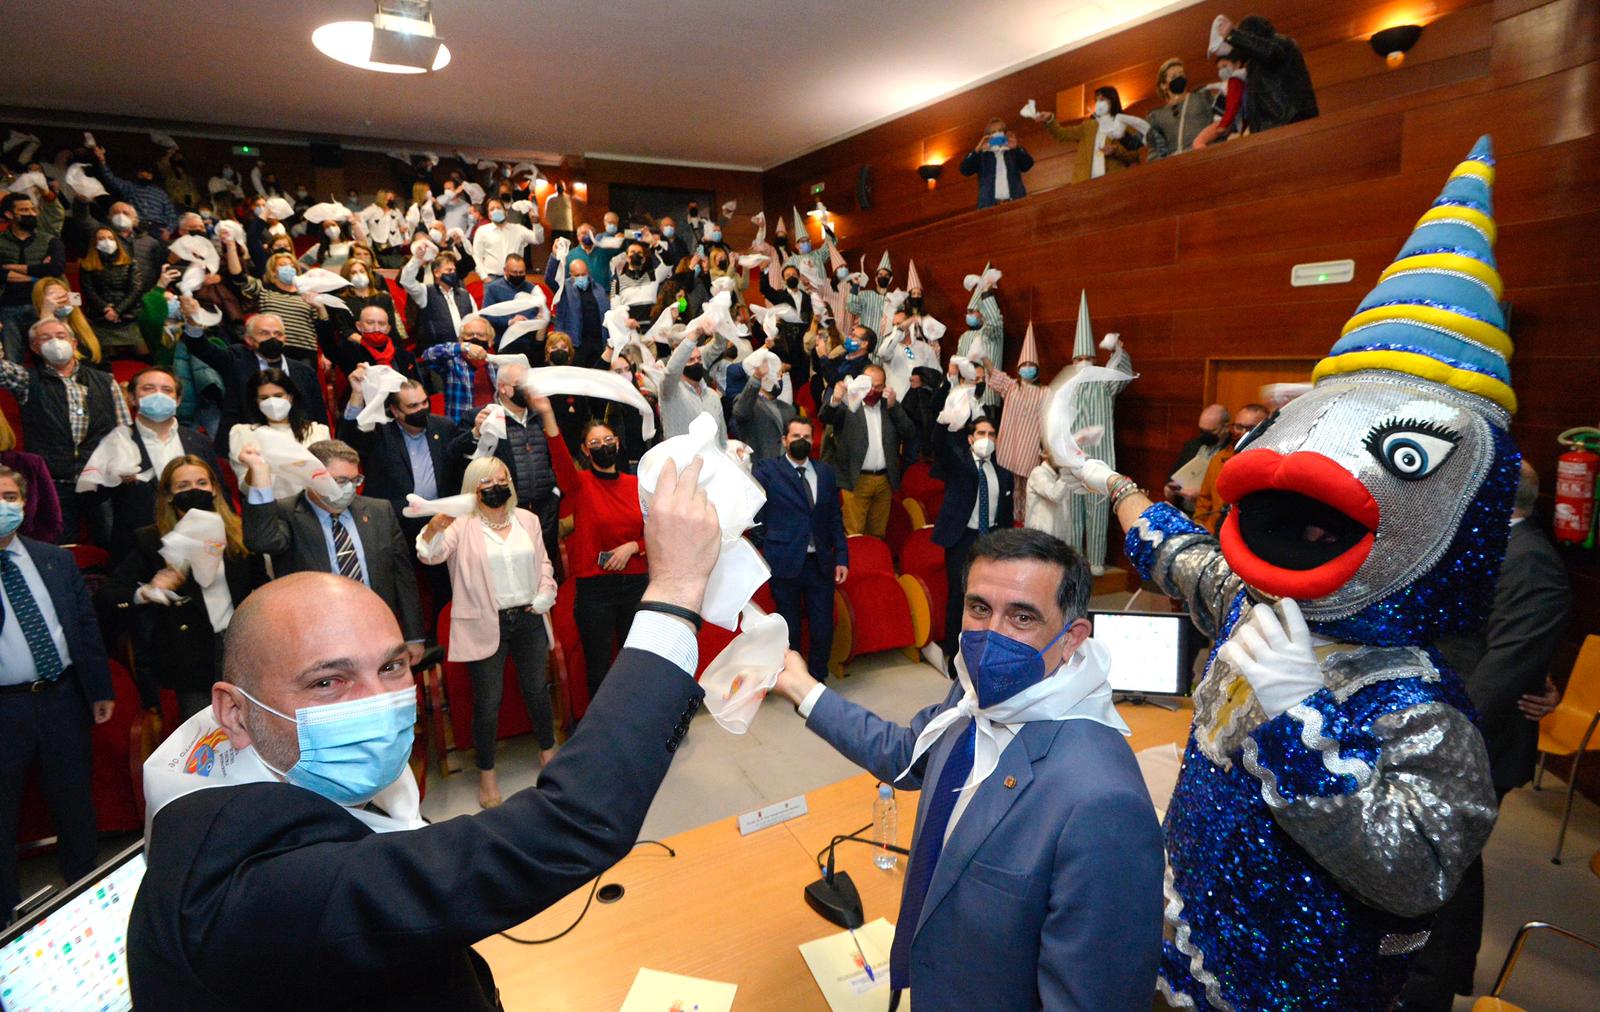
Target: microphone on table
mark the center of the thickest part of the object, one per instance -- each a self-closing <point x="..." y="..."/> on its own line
<point x="834" y="895"/>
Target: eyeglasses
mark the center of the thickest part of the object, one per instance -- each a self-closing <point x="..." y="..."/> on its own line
<point x="612" y="441"/>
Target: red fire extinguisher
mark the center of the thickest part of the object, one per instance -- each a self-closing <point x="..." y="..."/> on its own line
<point x="1577" y="486"/>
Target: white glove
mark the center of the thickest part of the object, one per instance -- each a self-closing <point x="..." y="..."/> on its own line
<point x="1087" y="476"/>
<point x="544" y="601"/>
<point x="1278" y="659"/>
<point x="1110" y="342"/>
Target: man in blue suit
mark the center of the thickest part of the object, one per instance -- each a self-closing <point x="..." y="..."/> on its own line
<point x="53" y="683"/>
<point x="1036" y="865"/>
<point x="581" y="312"/>
<point x="802" y="529"/>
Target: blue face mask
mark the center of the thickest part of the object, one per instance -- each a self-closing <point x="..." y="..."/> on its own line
<point x="10" y="518"/>
<point x="582" y="282"/>
<point x="350" y="751"/>
<point x="1029" y="372"/>
<point x="286" y="275"/>
<point x="841" y="273"/>
<point x="851" y="344"/>
<point x="999" y="666"/>
<point x="713" y="237"/>
<point x="668" y="231"/>
<point x="62" y="312"/>
<point x="611" y="229"/>
<point x="804" y="246"/>
<point x="157" y="407"/>
<point x="974" y="320"/>
<point x="497" y="216"/>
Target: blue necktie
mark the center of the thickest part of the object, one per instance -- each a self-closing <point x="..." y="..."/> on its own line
<point x="983" y="500"/>
<point x="35" y="630"/>
<point x="925" y="856"/>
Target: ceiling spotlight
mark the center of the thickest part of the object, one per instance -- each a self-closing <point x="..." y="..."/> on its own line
<point x="1394" y="43"/>
<point x="400" y="39"/>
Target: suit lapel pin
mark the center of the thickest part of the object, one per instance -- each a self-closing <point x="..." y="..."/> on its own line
<point x="1011" y="783"/>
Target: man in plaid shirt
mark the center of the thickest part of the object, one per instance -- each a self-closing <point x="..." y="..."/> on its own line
<point x="468" y="376"/>
<point x="67" y="408"/>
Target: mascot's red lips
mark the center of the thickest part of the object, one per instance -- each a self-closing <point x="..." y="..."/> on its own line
<point x="1300" y="525"/>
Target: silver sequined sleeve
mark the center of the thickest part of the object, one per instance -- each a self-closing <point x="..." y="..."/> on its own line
<point x="1419" y="815"/>
<point x="1191" y="567"/>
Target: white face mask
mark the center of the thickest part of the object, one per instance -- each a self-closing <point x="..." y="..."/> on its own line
<point x="1223" y="73"/>
<point x="983" y="448"/>
<point x="332" y="232"/>
<point x="1102" y="108"/>
<point x="275" y="408"/>
<point x="57" y="351"/>
<point x="121" y="222"/>
<point x="106" y="246"/>
<point x="358" y="279"/>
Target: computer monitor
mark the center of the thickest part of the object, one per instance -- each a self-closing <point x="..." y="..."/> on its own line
<point x="1149" y="651"/>
<point x="72" y="953"/>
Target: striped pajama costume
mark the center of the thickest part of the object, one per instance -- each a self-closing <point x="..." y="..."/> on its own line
<point x="1017" y="446"/>
<point x="1088" y="515"/>
<point x="988" y="341"/>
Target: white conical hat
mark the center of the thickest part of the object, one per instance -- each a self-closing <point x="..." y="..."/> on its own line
<point x="883" y="263"/>
<point x="1030" y="350"/>
<point x="912" y="281"/>
<point x="1083" y="338"/>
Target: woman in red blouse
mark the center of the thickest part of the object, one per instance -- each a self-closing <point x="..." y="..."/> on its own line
<point x="606" y="548"/>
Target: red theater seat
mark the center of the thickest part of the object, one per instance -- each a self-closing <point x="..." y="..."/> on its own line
<point x="880" y="616"/>
<point x="923" y="561"/>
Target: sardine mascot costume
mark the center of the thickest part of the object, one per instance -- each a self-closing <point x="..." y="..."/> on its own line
<point x="1335" y="787"/>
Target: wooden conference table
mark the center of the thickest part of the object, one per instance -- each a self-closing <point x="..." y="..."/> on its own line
<point x="728" y="907"/>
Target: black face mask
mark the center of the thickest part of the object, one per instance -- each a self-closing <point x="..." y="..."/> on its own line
<point x="27" y="222"/>
<point x="495" y="496"/>
<point x="791" y="283"/>
<point x="1209" y="438"/>
<point x="800" y="449"/>
<point x="192" y="499"/>
<point x="604" y="456"/>
<point x="519" y="399"/>
<point x="1177" y="84"/>
<point x="515" y="279"/>
<point x="977" y="391"/>
<point x="884" y="280"/>
<point x="418" y="418"/>
<point x="561" y="357"/>
<point x="636" y="261"/>
<point x="448" y="279"/>
<point x="271" y="348"/>
<point x="694" y="372"/>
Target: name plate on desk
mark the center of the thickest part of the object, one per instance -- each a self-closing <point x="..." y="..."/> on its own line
<point x="771" y="815"/>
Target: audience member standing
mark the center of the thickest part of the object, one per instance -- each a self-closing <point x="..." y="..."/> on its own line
<point x="111" y="295"/>
<point x="54" y="683"/>
<point x="998" y="161"/>
<point x="41" y="256"/>
<point x="160" y="439"/>
<point x="524" y="451"/>
<point x="1280" y="90"/>
<point x="978" y="497"/>
<point x="503" y="586"/>
<point x="1183" y="113"/>
<point x="1208" y="505"/>
<point x="238" y="364"/>
<point x="868" y="438"/>
<point x="803" y="540"/>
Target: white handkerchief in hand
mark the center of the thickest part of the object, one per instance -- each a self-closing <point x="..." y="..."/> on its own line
<point x="194" y="278"/>
<point x="204" y="317"/>
<point x="855" y="391"/>
<point x="82" y="186"/>
<point x="493" y="429"/>
<point x="29" y="182"/>
<point x="759" y="219"/>
<point x="114" y="461"/>
<point x="1217" y="45"/>
<point x="474" y="191"/>
<point x="746" y="670"/>
<point x="739" y="573"/>
<point x="451" y="506"/>
<point x="561" y="247"/>
<point x="279" y="208"/>
<point x="749" y="260"/>
<point x="197" y="249"/>
<point x="959" y="408"/>
<point x="516" y="330"/>
<point x="728" y="207"/>
<point x="165" y="140"/>
<point x="761" y="358"/>
<point x="88" y="140"/>
<point x="195" y="546"/>
<point x="618" y="334"/>
<point x="1061" y="414"/>
<point x="964" y="367"/>
<point x="326" y="211"/>
<point x="317" y="282"/>
<point x="376" y="385"/>
<point x="1029" y="111"/>
<point x="293" y="463"/>
<point x="520" y="304"/>
<point x="735" y="495"/>
<point x="523" y="207"/>
<point x="932" y="329"/>
<point x="581" y="381"/>
<point x="501" y="361"/>
<point x="1109" y="342"/>
<point x="769" y="317"/>
<point x="230" y="229"/>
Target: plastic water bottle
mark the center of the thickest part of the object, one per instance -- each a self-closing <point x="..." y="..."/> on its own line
<point x="885" y="828"/>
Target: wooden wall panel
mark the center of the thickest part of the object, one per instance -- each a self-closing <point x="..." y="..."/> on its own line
<point x="1189" y="258"/>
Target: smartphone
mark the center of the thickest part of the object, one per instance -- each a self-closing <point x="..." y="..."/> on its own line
<point x="603" y="558"/>
<point x="74" y="299"/>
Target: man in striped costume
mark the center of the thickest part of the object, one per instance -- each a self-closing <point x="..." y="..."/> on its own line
<point x="1087" y="515"/>
<point x="813" y="258"/>
<point x="1022" y="421"/>
<point x="868" y="304"/>
<point x="985" y="337"/>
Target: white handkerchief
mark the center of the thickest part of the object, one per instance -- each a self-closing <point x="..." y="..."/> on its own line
<point x="579" y="381"/>
<point x="618" y="336"/>
<point x="855" y="391"/>
<point x="523" y="207"/>
<point x="293" y="463"/>
<point x="748" y="260"/>
<point x="326" y="211"/>
<point x="761" y="358"/>
<point x="279" y="208"/>
<point x="960" y="407"/>
<point x="1061" y="412"/>
<point x="197" y="249"/>
<point x="493" y="429"/>
<point x="165" y="140"/>
<point x="80" y="184"/>
<point x="114" y="461"/>
<point x="932" y="329"/>
<point x="195" y="545"/>
<point x="1029" y="111"/>
<point x="728" y="207"/>
<point x="520" y="304"/>
<point x="317" y="282"/>
<point x="746" y="670"/>
<point x="227" y="228"/>
<point x="377" y="384"/>
<point x="194" y="277"/>
<point x="474" y="191"/>
<point x="739" y="573"/>
<point x="29" y="182"/>
<point x="770" y="316"/>
<point x="516" y="330"/>
<point x="204" y="317"/>
<point x="450" y="506"/>
<point x="964" y="367"/>
<point x="501" y="361"/>
<point x="736" y="496"/>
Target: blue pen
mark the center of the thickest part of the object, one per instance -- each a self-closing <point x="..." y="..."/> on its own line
<point x="865" y="963"/>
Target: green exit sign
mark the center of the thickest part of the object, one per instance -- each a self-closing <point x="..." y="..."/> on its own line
<point x="817" y="188"/>
<point x="247" y="149"/>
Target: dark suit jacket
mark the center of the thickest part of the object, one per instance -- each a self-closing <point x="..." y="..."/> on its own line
<point x="981" y="165"/>
<point x="762" y="421"/>
<point x="236" y="364"/>
<point x="1511" y="655"/>
<point x="787" y="521"/>
<point x="290" y="532"/>
<point x="133" y="503"/>
<point x="184" y="654"/>
<point x="1056" y="864"/>
<point x="70" y="597"/>
<point x="386" y="920"/>
<point x="850" y="439"/>
<point x="387" y="465"/>
<point x="960" y="472"/>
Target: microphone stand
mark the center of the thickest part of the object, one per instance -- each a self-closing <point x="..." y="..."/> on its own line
<point x="834" y="895"/>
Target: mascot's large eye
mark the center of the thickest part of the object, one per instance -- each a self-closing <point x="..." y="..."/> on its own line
<point x="1412" y="450"/>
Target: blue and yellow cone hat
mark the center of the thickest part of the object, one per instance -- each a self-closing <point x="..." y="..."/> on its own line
<point x="1435" y="313"/>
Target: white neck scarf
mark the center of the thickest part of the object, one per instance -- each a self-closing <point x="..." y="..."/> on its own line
<point x="1077" y="690"/>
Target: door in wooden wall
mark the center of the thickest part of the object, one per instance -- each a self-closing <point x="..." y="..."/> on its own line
<point x="1235" y="382"/>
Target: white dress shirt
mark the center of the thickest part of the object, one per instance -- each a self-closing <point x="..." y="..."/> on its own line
<point x="511" y="568"/>
<point x="162" y="451"/>
<point x="16" y="660"/>
<point x="492" y="243"/>
<point x="986" y="469"/>
<point x="385" y="226"/>
<point x="1002" y="191"/>
<point x="873" y="461"/>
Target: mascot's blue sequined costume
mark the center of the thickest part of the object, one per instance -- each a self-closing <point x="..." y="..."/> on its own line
<point x="1307" y="851"/>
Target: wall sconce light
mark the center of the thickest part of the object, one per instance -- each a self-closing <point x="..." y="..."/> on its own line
<point x="930" y="172"/>
<point x="1394" y="43"/>
<point x="581" y="191"/>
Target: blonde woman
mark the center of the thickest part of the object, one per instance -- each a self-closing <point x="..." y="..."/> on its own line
<point x="53" y="297"/>
<point x="503" y="584"/>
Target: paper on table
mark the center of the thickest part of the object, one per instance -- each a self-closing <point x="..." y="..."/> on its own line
<point x="836" y="966"/>
<point x="655" y="991"/>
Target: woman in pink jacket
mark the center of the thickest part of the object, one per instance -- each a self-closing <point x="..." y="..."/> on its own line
<point x="503" y="584"/>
